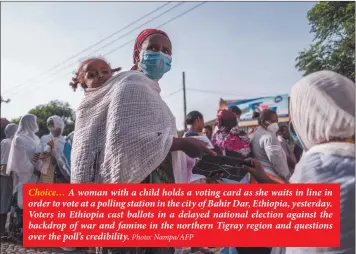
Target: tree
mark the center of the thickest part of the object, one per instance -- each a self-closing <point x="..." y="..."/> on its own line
<point x="43" y="112"/>
<point x="333" y="48"/>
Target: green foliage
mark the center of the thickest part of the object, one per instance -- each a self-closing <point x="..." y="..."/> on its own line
<point x="333" y="25"/>
<point x="16" y="120"/>
<point x="43" y="112"/>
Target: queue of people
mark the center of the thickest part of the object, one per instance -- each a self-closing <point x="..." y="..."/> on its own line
<point x="112" y="144"/>
<point x="26" y="158"/>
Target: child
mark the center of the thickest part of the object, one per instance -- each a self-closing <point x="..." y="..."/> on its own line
<point x="92" y="73"/>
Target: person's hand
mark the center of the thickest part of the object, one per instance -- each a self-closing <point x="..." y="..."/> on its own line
<point x="50" y="143"/>
<point x="257" y="171"/>
<point x="36" y="157"/>
<point x="44" y="155"/>
<point x="195" y="148"/>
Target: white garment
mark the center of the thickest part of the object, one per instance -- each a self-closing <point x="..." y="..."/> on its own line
<point x="58" y="144"/>
<point x="33" y="179"/>
<point x="57" y="121"/>
<point x="124" y="131"/>
<point x="58" y="141"/>
<point x="322" y="107"/>
<point x="58" y="152"/>
<point x="10" y="131"/>
<point x="268" y="150"/>
<point x="332" y="163"/>
<point x="69" y="138"/>
<point x="23" y="148"/>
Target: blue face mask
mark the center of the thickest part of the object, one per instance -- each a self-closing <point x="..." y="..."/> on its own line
<point x="155" y="64"/>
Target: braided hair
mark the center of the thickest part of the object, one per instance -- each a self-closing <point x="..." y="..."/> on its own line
<point x="78" y="78"/>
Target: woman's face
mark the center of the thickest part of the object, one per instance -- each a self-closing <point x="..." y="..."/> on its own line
<point x="272" y="119"/>
<point x="56" y="132"/>
<point x="157" y="43"/>
<point x="30" y="122"/>
<point x="199" y="124"/>
<point x="96" y="73"/>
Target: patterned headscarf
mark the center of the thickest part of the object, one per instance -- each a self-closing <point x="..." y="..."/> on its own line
<point x="138" y="43"/>
<point x="229" y="136"/>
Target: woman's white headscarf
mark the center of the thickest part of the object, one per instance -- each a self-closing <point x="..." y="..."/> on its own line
<point x="59" y="143"/>
<point x="22" y="150"/>
<point x="10" y="131"/>
<point x="58" y="123"/>
<point x="322" y="108"/>
<point x="28" y="127"/>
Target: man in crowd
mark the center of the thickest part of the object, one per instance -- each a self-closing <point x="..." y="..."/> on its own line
<point x="283" y="137"/>
<point x="208" y="131"/>
<point x="237" y="111"/>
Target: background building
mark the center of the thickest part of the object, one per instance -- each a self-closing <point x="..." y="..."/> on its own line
<point x="278" y="103"/>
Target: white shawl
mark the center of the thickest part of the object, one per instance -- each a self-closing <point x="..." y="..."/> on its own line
<point x="23" y="148"/>
<point x="322" y="107"/>
<point x="10" y="131"/>
<point x="58" y="149"/>
<point x="123" y="131"/>
<point x="58" y="141"/>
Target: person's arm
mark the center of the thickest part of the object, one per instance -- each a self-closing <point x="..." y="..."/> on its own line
<point x="276" y="155"/>
<point x="258" y="172"/>
<point x="176" y="144"/>
<point x="291" y="160"/>
<point x="191" y="147"/>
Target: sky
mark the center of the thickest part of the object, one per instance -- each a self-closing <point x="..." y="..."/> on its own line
<point x="229" y="50"/>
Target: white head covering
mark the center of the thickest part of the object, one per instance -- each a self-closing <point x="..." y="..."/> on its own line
<point x="22" y="150"/>
<point x="322" y="107"/>
<point x="58" y="123"/>
<point x="59" y="143"/>
<point x="28" y="127"/>
<point x="10" y="130"/>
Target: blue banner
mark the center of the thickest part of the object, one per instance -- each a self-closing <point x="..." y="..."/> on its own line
<point x="277" y="103"/>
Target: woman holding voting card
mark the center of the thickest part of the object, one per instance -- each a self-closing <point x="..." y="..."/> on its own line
<point x="112" y="141"/>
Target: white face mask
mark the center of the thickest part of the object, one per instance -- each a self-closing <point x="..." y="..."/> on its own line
<point x="273" y="127"/>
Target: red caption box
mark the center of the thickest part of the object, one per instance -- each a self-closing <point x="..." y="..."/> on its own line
<point x="150" y="215"/>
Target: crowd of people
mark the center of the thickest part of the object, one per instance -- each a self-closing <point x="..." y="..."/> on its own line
<point x="112" y="144"/>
